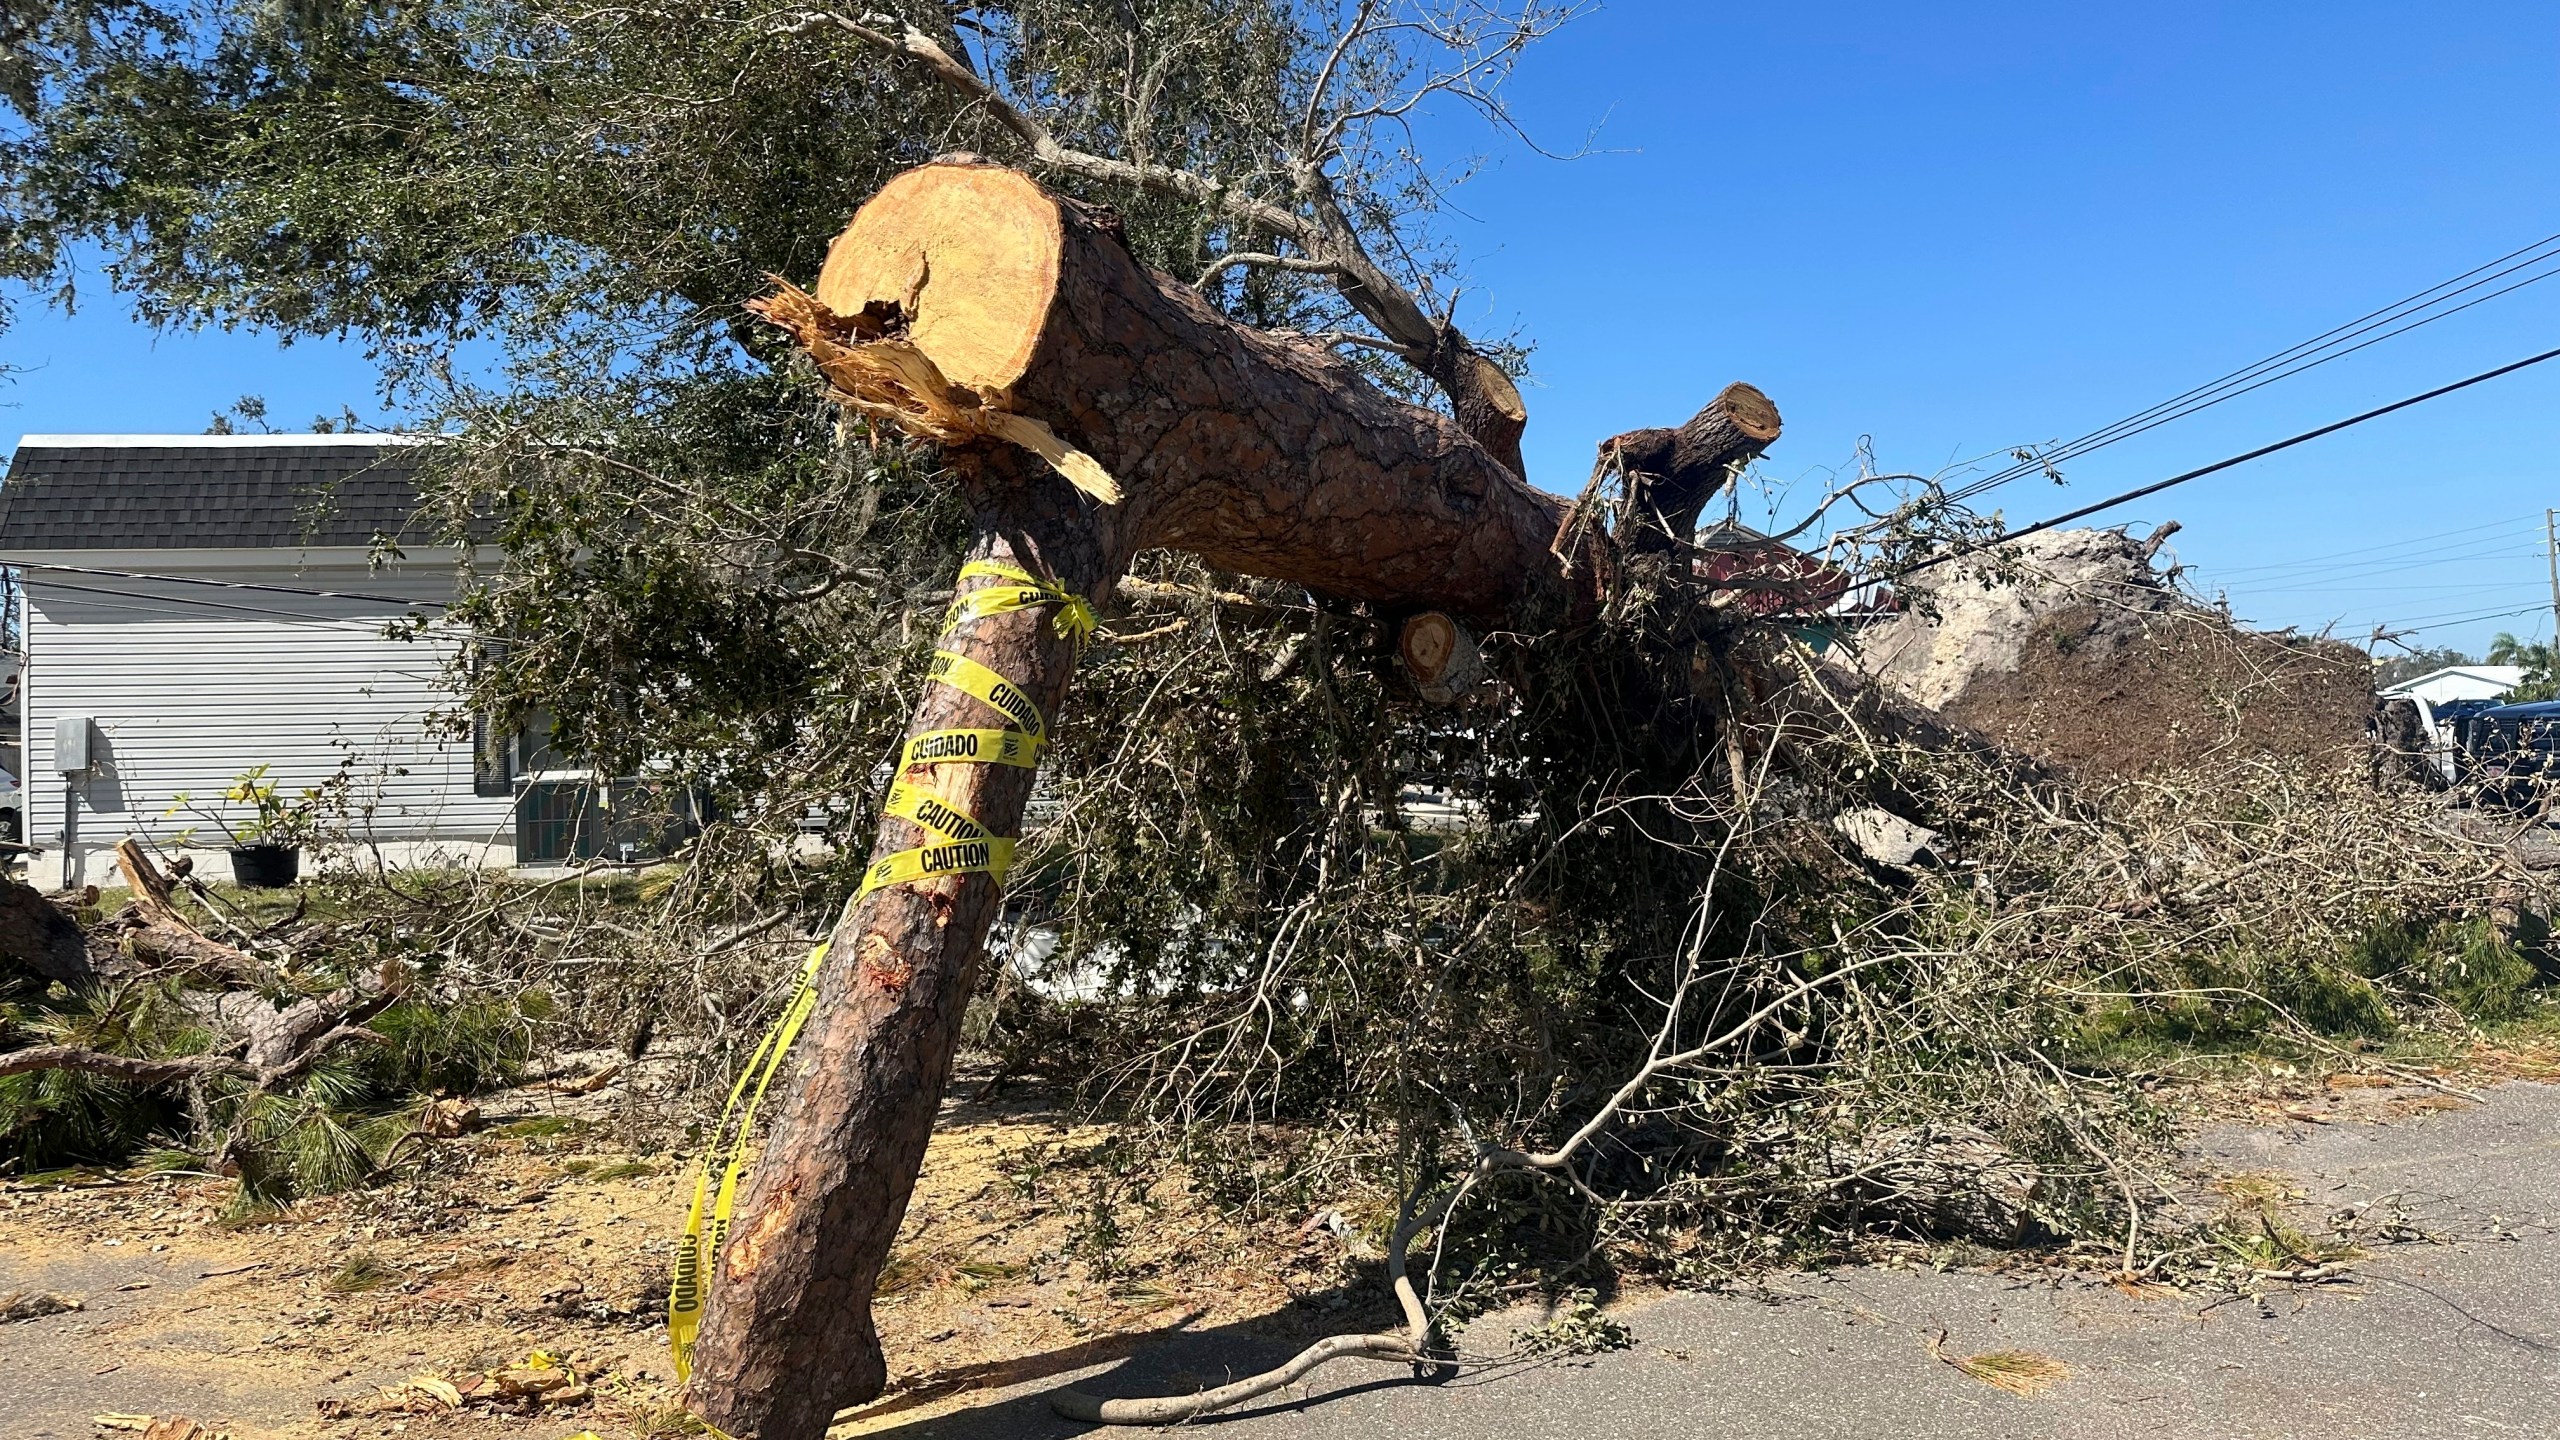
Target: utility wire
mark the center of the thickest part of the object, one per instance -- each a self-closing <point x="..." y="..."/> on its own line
<point x="2537" y="608"/>
<point x="2516" y="522"/>
<point x="2376" y="570"/>
<point x="211" y="604"/>
<point x="2199" y="473"/>
<point x="2511" y="535"/>
<point x="223" y="584"/>
<point x="2294" y="360"/>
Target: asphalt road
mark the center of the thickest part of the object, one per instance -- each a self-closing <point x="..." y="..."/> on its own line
<point x="2458" y="1337"/>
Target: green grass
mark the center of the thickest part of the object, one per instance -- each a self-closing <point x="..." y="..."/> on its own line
<point x="544" y="1127"/>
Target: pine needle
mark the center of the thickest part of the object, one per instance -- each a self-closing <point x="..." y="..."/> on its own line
<point x="2020" y="1372"/>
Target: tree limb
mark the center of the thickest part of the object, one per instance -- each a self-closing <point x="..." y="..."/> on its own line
<point x="1485" y="401"/>
<point x="120" y="1067"/>
<point x="1413" y="1344"/>
<point x="913" y="44"/>
<point x="1234" y="258"/>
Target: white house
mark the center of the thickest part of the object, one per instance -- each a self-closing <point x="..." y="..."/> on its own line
<point x="2436" y="689"/>
<point x="2458" y="682"/>
<point x="171" y="643"/>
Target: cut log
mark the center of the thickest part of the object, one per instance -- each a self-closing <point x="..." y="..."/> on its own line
<point x="970" y="307"/>
<point x="1441" y="657"/>
<point x="1672" y="473"/>
<point x="964" y="299"/>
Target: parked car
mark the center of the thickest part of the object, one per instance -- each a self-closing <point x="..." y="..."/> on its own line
<point x="2513" y="750"/>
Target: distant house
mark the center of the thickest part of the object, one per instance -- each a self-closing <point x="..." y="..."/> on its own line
<point x="2458" y="682"/>
<point x="156" y="665"/>
<point x="2443" y="702"/>
<point x="1770" y="576"/>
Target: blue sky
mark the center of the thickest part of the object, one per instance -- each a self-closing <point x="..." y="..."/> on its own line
<point x="1953" y="228"/>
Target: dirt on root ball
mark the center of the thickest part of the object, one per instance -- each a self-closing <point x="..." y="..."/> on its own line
<point x="2184" y="690"/>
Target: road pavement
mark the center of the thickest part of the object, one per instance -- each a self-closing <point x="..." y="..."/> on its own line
<point x="2454" y="1337"/>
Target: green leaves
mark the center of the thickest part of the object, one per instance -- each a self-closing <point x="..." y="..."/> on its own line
<point x="2541" y="672"/>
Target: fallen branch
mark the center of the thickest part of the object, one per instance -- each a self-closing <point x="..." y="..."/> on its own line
<point x="121" y="1067"/>
<point x="1413" y="1345"/>
<point x="157" y="932"/>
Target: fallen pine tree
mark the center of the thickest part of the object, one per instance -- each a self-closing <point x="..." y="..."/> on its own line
<point x="974" y="309"/>
<point x="1306" y="982"/>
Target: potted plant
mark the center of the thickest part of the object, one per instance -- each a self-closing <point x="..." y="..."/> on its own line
<point x="266" y="849"/>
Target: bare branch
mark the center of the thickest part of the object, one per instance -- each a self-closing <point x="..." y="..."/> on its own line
<point x="1331" y="338"/>
<point x="914" y="44"/>
<point x="1235" y="258"/>
<point x="120" y="1067"/>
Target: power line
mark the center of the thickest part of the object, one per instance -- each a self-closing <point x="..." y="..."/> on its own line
<point x="2394" y="545"/>
<point x="210" y="604"/>
<point x="2439" y="590"/>
<point x="2534" y="609"/>
<point x="2199" y="473"/>
<point x="2381" y="560"/>
<point x="2376" y="569"/>
<point x="2293" y="360"/>
<point x="223" y="584"/>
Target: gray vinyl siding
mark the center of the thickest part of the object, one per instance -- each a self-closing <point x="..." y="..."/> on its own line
<point x="189" y="686"/>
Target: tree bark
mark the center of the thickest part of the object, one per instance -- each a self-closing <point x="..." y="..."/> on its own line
<point x="789" y="1339"/>
<point x="40" y="937"/>
<point x="1264" y="454"/>
<point x="156" y="933"/>
<point x="971" y="307"/>
<point x="1672" y="473"/>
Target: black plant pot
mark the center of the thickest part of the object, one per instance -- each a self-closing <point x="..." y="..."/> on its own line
<point x="266" y="867"/>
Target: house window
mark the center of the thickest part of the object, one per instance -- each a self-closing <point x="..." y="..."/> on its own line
<point x="583" y="819"/>
<point x="493" y="756"/>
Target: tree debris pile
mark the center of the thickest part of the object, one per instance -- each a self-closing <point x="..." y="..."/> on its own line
<point x="2071" y="647"/>
<point x="292" y="1053"/>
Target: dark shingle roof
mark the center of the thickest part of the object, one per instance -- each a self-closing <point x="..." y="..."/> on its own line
<point x="153" y="492"/>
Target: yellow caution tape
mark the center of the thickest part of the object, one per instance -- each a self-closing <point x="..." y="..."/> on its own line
<point x="971" y="678"/>
<point x="1022" y="591"/>
<point x="963" y="846"/>
<point x="954" y="857"/>
<point x="979" y="747"/>
<point x="934" y="813"/>
<point x="699" y="1247"/>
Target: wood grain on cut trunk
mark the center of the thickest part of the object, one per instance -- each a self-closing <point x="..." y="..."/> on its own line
<point x="1264" y="454"/>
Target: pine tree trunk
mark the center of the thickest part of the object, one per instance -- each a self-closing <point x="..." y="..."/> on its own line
<point x="788" y="1338"/>
<point x="973" y="308"/>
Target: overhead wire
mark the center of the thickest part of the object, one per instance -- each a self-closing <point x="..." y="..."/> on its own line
<point x="256" y="585"/>
<point x="2416" y="310"/>
<point x="2394" y="551"/>
<point x="2410" y="540"/>
<point x="207" y="603"/>
<point x="2440" y="623"/>
<point x="2394" y="567"/>
<point x="2154" y="488"/>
